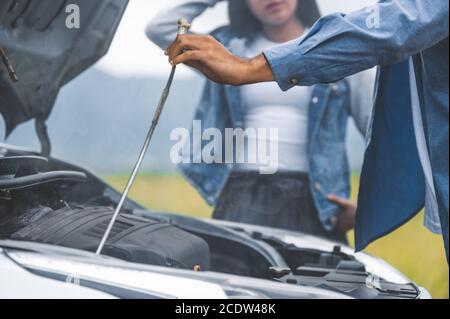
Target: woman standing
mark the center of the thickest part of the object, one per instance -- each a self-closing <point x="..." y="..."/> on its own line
<point x="311" y="122"/>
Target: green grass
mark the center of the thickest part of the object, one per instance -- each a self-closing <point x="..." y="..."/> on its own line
<point x="412" y="249"/>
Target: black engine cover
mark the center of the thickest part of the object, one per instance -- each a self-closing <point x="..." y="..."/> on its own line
<point x="132" y="238"/>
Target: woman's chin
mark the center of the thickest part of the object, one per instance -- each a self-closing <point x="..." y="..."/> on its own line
<point x="277" y="21"/>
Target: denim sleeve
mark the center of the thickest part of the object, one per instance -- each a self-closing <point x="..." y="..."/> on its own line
<point x="340" y="45"/>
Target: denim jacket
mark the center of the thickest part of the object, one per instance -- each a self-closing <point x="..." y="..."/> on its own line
<point x="329" y="110"/>
<point x="392" y="189"/>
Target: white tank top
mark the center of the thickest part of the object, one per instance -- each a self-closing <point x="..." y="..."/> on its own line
<point x="266" y="106"/>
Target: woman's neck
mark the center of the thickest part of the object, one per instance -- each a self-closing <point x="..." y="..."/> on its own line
<point x="288" y="31"/>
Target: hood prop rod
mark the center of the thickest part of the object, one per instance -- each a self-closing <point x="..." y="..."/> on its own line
<point x="183" y="28"/>
<point x="8" y="65"/>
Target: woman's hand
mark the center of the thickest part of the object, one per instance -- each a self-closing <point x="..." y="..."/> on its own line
<point x="211" y="58"/>
<point x="347" y="217"/>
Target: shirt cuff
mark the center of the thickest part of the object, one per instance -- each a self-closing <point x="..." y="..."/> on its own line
<point x="281" y="60"/>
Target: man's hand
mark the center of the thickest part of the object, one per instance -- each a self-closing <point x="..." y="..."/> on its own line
<point x="211" y="58"/>
<point x="347" y="217"/>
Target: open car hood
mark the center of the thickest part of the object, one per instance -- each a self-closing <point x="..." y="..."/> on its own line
<point x="46" y="54"/>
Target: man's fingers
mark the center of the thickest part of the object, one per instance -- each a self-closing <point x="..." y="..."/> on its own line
<point x="181" y="44"/>
<point x="176" y="48"/>
<point x="188" y="57"/>
<point x="185" y="42"/>
<point x="339" y="201"/>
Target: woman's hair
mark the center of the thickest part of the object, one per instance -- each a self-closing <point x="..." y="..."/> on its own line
<point x="246" y="25"/>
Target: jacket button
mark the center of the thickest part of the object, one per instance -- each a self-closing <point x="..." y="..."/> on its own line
<point x="294" y="81"/>
<point x="334" y="87"/>
<point x="315" y="100"/>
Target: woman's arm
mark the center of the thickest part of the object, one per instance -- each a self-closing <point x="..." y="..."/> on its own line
<point x="162" y="30"/>
<point x="362" y="87"/>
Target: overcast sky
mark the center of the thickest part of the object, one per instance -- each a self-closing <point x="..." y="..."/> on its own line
<point x="131" y="54"/>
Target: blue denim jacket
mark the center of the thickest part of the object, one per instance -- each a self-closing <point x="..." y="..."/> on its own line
<point x="220" y="107"/>
<point x="340" y="45"/>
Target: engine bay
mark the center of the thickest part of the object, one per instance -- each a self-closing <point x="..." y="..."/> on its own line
<point x="48" y="201"/>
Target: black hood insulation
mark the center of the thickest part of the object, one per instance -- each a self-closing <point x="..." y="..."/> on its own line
<point x="40" y="54"/>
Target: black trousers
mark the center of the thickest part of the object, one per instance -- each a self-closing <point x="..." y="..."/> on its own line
<point x="283" y="201"/>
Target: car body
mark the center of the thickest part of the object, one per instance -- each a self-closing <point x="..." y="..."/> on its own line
<point x="53" y="213"/>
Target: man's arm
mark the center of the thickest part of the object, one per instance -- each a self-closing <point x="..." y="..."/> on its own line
<point x="336" y="47"/>
<point x="341" y="45"/>
<point x="163" y="28"/>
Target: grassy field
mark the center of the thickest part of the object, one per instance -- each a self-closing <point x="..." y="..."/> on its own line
<point x="412" y="249"/>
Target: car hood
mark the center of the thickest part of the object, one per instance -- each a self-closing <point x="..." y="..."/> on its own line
<point x="46" y="54"/>
<point x="121" y="279"/>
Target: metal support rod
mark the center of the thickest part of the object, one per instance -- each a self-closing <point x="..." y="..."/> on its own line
<point x="8" y="65"/>
<point x="183" y="28"/>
